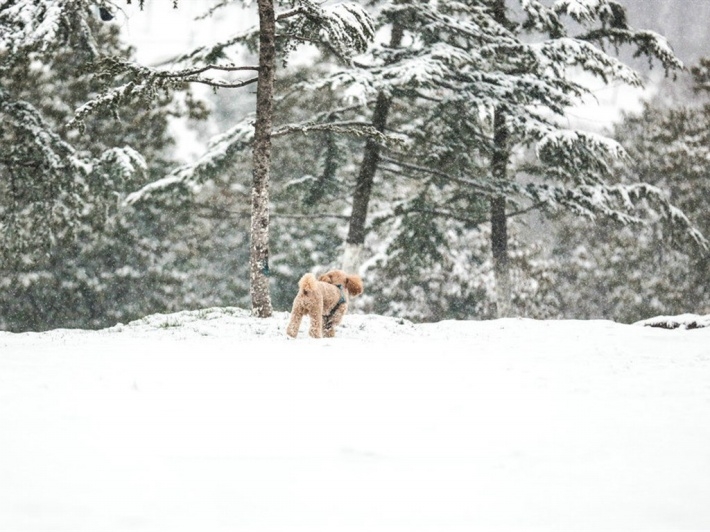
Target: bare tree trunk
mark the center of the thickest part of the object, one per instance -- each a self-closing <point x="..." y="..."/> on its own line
<point x="259" y="251"/>
<point x="352" y="256"/>
<point x="499" y="219"/>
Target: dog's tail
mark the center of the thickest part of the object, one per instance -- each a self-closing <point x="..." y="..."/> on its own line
<point x="308" y="283"/>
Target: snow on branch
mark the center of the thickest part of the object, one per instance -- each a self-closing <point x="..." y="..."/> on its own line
<point x="49" y="148"/>
<point x="430" y="69"/>
<point x="653" y="45"/>
<point x="109" y="100"/>
<point x="126" y="161"/>
<point x="587" y="11"/>
<point x="221" y="152"/>
<point x="27" y="24"/>
<point x="586" y="201"/>
<point x="674" y="219"/>
<point x="542" y="19"/>
<point x="580" y="155"/>
<point x="357" y="85"/>
<point x="347" y="26"/>
<point x="557" y="54"/>
<point x="146" y="82"/>
<point x="346" y="29"/>
<point x="48" y="152"/>
<point x="212" y="53"/>
<point x="350" y="128"/>
<point x="459" y="20"/>
<point x="38" y="26"/>
<point x="619" y="203"/>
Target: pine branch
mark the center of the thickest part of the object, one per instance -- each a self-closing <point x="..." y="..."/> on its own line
<point x="219" y="83"/>
<point x="310" y="216"/>
<point x="192" y="72"/>
<point x="188" y="75"/>
<point x="352" y="128"/>
<point x="209" y="54"/>
<point x="291" y="13"/>
<point x="487" y="189"/>
<point x="449" y="215"/>
<point x="207" y="210"/>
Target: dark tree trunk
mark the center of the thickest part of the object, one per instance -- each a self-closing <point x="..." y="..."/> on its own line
<point x="368" y="168"/>
<point x="499" y="219"/>
<point x="259" y="251"/>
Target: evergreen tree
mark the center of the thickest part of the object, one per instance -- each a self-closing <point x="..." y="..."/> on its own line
<point x="629" y="275"/>
<point x="488" y="87"/>
<point x="71" y="256"/>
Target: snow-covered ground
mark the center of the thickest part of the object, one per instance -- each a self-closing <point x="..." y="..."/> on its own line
<point x="214" y="421"/>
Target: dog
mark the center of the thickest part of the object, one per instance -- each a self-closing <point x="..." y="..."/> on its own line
<point x="324" y="300"/>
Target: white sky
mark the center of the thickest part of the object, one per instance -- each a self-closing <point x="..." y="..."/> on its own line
<point x="160" y="32"/>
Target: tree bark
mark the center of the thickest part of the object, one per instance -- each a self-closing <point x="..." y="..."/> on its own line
<point x="259" y="249"/>
<point x="352" y="256"/>
<point x="499" y="219"/>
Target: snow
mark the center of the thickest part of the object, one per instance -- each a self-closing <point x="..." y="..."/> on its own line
<point x="213" y="420"/>
<point x="347" y="26"/>
<point x="683" y="321"/>
<point x="580" y="10"/>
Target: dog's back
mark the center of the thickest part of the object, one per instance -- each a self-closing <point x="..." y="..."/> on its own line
<point x="317" y="292"/>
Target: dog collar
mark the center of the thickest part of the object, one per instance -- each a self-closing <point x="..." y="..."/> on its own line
<point x="342" y="294"/>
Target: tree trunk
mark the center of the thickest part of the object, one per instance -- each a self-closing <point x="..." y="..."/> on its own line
<point x="259" y="250"/>
<point x="352" y="256"/>
<point x="499" y="220"/>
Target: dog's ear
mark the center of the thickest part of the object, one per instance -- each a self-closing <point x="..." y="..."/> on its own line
<point x="353" y="284"/>
<point x="325" y="278"/>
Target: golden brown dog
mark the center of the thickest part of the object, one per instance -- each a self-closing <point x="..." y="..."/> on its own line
<point x="324" y="300"/>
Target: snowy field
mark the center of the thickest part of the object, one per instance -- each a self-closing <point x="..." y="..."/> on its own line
<point x="213" y="421"/>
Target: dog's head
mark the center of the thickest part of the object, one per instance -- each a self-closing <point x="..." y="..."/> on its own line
<point x="351" y="283"/>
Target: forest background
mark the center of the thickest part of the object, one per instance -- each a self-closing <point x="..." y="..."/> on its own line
<point x="118" y="202"/>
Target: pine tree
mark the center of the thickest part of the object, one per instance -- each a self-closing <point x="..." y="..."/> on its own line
<point x="71" y="256"/>
<point x="629" y="275"/>
<point x="506" y="78"/>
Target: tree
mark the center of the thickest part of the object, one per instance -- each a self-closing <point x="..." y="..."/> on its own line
<point x="507" y="78"/>
<point x="628" y="275"/>
<point x="71" y="257"/>
<point x="343" y="29"/>
<point x="368" y="169"/>
<point x="259" y="257"/>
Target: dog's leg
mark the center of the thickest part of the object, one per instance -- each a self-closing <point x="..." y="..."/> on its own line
<point x="295" y="323"/>
<point x="316" y="315"/>
<point x="334" y="320"/>
<point x="328" y="327"/>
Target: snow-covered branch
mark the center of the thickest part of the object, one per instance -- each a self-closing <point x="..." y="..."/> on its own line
<point x="221" y="151"/>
